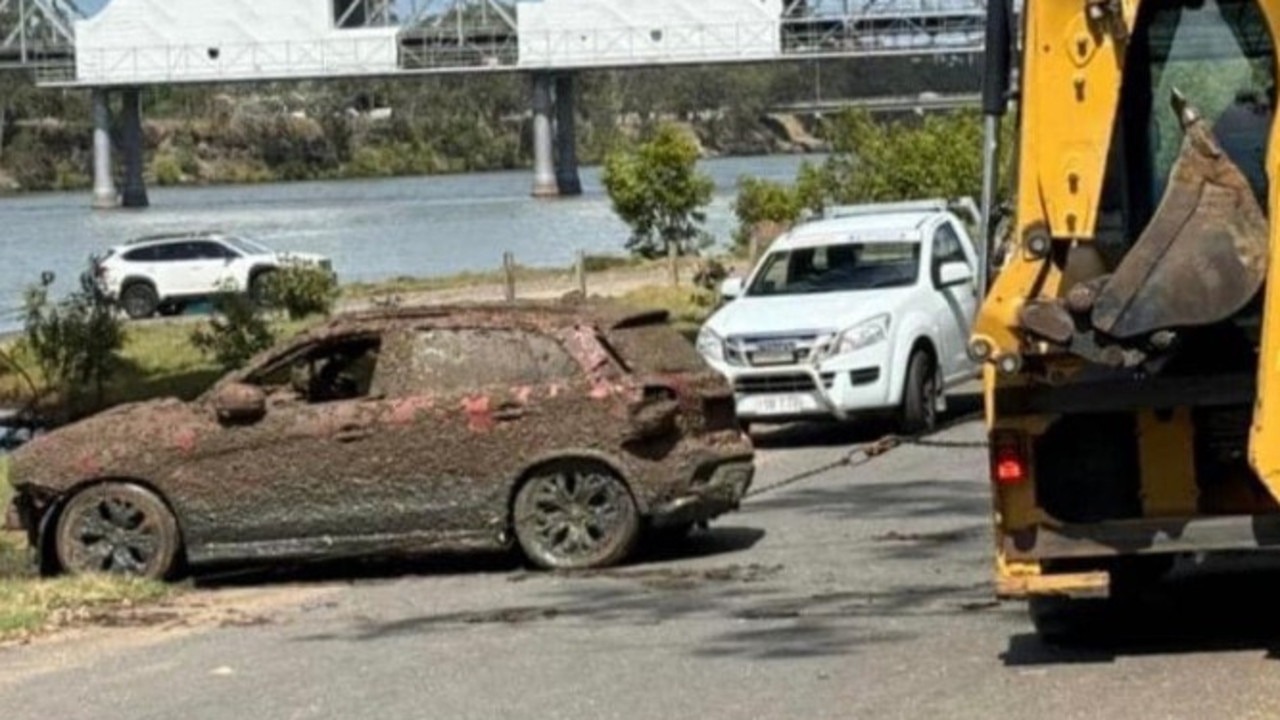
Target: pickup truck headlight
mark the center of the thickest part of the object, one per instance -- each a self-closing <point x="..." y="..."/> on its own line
<point x="710" y="345"/>
<point x="863" y="335"/>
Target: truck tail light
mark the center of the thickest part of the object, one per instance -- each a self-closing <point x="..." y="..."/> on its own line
<point x="1008" y="459"/>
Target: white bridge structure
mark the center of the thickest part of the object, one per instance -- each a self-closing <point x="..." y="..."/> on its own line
<point x="119" y="46"/>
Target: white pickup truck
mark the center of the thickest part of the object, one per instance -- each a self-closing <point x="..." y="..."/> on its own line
<point x="865" y="310"/>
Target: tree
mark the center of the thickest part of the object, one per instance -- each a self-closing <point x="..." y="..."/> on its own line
<point x="75" y="342"/>
<point x="657" y="190"/>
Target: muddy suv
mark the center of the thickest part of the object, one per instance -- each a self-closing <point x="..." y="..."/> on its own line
<point x="566" y="429"/>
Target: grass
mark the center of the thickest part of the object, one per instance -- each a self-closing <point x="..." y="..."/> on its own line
<point x="523" y="275"/>
<point x="30" y="604"/>
<point x="158" y="360"/>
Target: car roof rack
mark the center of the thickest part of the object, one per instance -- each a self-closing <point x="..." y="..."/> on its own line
<point x="159" y="237"/>
<point x="963" y="205"/>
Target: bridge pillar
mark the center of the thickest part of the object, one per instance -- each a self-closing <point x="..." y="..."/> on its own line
<point x="135" y="186"/>
<point x="544" y="171"/>
<point x="104" y="185"/>
<point x="567" y="179"/>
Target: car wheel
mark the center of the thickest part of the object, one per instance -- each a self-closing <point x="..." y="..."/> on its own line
<point x="117" y="528"/>
<point x="258" y="288"/>
<point x="920" y="396"/>
<point x="576" y="515"/>
<point x="139" y="301"/>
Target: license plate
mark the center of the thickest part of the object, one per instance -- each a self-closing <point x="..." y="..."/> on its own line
<point x="779" y="404"/>
<point x="764" y="357"/>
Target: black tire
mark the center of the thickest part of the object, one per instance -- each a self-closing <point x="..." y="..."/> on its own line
<point x="575" y="515"/>
<point x="919" y="412"/>
<point x="258" y="287"/>
<point x="117" y="528"/>
<point x="669" y="535"/>
<point x="171" y="309"/>
<point x="139" y="301"/>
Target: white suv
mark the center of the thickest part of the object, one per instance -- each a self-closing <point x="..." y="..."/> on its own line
<point x="865" y="310"/>
<point x="163" y="273"/>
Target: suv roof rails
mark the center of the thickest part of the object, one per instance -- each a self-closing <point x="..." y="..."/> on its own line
<point x="158" y="237"/>
<point x="963" y="205"/>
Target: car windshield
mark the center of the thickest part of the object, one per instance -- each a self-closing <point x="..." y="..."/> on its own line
<point x="248" y="247"/>
<point x="654" y="348"/>
<point x="838" y="268"/>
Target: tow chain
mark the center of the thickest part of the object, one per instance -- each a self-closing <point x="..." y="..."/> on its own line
<point x="866" y="452"/>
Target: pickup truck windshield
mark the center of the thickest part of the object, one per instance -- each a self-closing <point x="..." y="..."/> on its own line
<point x="838" y="268"/>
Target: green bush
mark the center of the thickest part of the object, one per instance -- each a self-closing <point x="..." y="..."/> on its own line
<point x="167" y="169"/>
<point x="761" y="201"/>
<point x="941" y="156"/>
<point x="75" y="342"/>
<point x="235" y="333"/>
<point x="301" y="290"/>
<point x="656" y="189"/>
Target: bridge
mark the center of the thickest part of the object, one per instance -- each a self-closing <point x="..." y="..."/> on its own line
<point x="120" y="46"/>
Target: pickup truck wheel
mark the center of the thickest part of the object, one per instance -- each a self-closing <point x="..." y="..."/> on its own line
<point x="919" y="411"/>
<point x="575" y="515"/>
<point x="118" y="528"/>
<point x="139" y="301"/>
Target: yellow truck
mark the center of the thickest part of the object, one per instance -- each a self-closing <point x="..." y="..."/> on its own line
<point x="1131" y="335"/>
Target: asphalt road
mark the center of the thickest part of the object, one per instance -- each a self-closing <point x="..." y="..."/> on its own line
<point x="852" y="593"/>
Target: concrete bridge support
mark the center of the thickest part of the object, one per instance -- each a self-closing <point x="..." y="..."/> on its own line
<point x="567" y="178"/>
<point x="555" y="157"/>
<point x="104" y="184"/>
<point x="544" y="171"/>
<point x="134" y="192"/>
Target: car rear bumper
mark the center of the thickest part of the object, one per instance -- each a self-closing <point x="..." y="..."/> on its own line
<point x="717" y="488"/>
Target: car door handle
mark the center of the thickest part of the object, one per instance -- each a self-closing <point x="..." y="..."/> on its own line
<point x="353" y="434"/>
<point x="509" y="412"/>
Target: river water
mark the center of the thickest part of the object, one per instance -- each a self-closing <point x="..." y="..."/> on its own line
<point x="373" y="229"/>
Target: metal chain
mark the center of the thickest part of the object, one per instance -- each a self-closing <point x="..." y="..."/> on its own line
<point x="865" y="453"/>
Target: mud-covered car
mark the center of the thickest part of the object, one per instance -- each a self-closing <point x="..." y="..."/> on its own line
<point x="566" y="429"/>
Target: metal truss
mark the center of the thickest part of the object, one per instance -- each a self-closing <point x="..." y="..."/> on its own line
<point x="364" y="13"/>
<point x="884" y="27"/>
<point x="459" y="34"/>
<point x="37" y="32"/>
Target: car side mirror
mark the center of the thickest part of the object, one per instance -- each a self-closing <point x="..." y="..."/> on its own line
<point x="954" y="273"/>
<point x="731" y="288"/>
<point x="240" y="403"/>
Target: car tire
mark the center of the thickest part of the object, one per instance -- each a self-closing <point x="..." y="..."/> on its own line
<point x="139" y="301"/>
<point x="258" y="287"/>
<point x="117" y="528"/>
<point x="919" y="412"/>
<point x="575" y="515"/>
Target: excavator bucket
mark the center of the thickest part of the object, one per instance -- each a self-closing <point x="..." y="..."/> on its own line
<point x="1202" y="258"/>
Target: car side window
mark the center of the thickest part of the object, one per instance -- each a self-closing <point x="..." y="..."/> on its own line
<point x="206" y="250"/>
<point x="175" y="252"/>
<point x="461" y="359"/>
<point x="947" y="247"/>
<point x="343" y="370"/>
<point x="146" y="254"/>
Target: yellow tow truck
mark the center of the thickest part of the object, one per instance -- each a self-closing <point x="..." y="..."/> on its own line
<point x="1131" y="335"/>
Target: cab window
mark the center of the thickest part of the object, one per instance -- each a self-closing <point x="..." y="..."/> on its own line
<point x="344" y="369"/>
<point x="464" y="359"/>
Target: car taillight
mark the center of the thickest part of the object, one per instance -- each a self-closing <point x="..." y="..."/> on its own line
<point x="1008" y="459"/>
